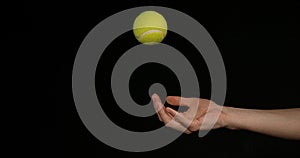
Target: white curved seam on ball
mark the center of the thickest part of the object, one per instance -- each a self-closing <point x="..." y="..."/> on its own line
<point x="149" y="32"/>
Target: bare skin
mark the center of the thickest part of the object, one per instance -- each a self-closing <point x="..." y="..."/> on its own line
<point x="283" y="123"/>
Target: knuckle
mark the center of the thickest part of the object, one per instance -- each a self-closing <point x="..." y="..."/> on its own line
<point x="187" y="132"/>
<point x="194" y="128"/>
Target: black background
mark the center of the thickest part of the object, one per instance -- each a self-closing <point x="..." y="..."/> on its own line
<point x="258" y="43"/>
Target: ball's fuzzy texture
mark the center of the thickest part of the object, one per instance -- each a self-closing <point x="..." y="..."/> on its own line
<point x="150" y="27"/>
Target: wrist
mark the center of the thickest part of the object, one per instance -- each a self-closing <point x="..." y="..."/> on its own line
<point x="229" y="117"/>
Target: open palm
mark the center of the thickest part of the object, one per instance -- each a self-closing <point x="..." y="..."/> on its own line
<point x="190" y="120"/>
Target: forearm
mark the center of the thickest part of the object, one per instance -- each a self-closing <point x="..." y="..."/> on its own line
<point x="280" y="123"/>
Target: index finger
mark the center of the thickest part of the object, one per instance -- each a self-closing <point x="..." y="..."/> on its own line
<point x="160" y="109"/>
<point x="178" y="101"/>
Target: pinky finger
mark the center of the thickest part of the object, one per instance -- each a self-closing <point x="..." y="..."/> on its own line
<point x="177" y="126"/>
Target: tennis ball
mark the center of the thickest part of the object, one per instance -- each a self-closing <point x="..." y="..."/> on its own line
<point x="150" y="27"/>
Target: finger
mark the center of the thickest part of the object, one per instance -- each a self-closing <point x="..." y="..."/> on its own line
<point x="190" y="124"/>
<point x="187" y="131"/>
<point x="155" y="98"/>
<point x="166" y="117"/>
<point x="177" y="126"/>
<point x="177" y="101"/>
<point x="171" y="123"/>
<point x="171" y="111"/>
<point x="159" y="107"/>
<point x="179" y="117"/>
<point x="159" y="117"/>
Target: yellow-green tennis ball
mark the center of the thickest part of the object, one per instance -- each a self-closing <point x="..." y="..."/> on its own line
<point x="150" y="27"/>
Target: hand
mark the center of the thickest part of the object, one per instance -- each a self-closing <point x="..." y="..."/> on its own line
<point x="190" y="120"/>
